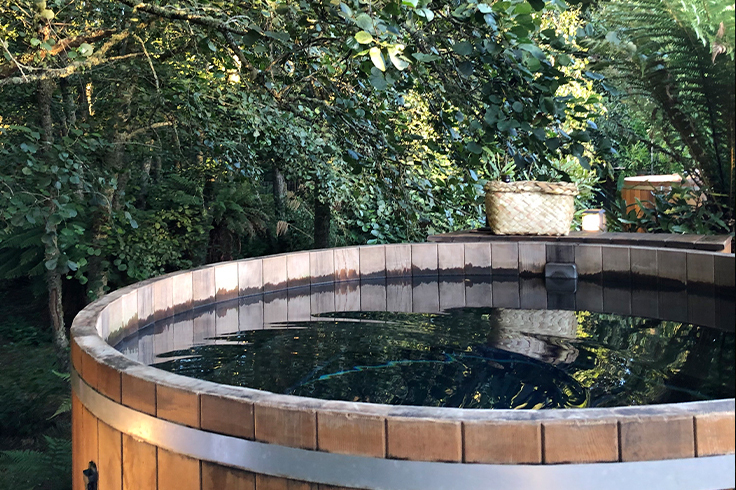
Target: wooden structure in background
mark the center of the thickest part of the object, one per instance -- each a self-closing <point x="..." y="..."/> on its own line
<point x="644" y="187"/>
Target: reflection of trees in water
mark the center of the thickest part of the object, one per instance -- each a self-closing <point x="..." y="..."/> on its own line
<point x="635" y="361"/>
<point x="475" y="358"/>
<point x="484" y="377"/>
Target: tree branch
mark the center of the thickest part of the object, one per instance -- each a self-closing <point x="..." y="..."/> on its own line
<point x="126" y="137"/>
<point x="96" y="59"/>
<point x="150" y="63"/>
<point x="245" y="65"/>
<point x="180" y="14"/>
<point x="67" y="70"/>
<point x="74" y="42"/>
<point x="12" y="58"/>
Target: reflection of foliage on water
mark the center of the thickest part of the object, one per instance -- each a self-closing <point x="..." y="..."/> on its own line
<point x="451" y="360"/>
<point x="635" y="361"/>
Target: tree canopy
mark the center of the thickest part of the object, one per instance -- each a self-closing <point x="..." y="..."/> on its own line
<point x="138" y="138"/>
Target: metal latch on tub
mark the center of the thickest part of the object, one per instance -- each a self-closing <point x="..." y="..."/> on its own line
<point x="91" y="476"/>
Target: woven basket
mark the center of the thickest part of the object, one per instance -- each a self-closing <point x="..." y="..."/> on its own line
<point x="530" y="208"/>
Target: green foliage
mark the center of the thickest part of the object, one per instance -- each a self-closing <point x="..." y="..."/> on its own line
<point x="35" y="442"/>
<point x="49" y="469"/>
<point x="39" y="197"/>
<point x="155" y="143"/>
<point x="239" y="213"/>
<point x="169" y="235"/>
<point x="22" y="315"/>
<point x="711" y="20"/>
<point x="636" y="126"/>
<point x="31" y="393"/>
<point x="16" y="330"/>
<point x="21" y="254"/>
<point x="320" y="100"/>
<point x="679" y="210"/>
<point x="650" y="50"/>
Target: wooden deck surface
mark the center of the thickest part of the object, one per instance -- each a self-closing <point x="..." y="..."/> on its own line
<point x="711" y="243"/>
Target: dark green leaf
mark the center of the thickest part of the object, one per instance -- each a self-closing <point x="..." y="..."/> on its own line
<point x="553" y="143"/>
<point x="280" y="36"/>
<point x="463" y="48"/>
<point x="378" y="81"/>
<point x="345" y="9"/>
<point x="534" y="51"/>
<point x="474" y="148"/>
<point x="425" y="58"/>
<point x="523" y="8"/>
<point x="537" y="5"/>
<point x="466" y="68"/>
<point x="364" y="21"/>
<point x="577" y="149"/>
<point x="533" y="64"/>
<point x="583" y="136"/>
<point x="563" y="60"/>
<point x="501" y="6"/>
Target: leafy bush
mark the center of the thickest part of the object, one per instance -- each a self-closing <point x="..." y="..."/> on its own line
<point x="35" y="427"/>
<point x="49" y="469"/>
<point x="670" y="54"/>
<point x="680" y="210"/>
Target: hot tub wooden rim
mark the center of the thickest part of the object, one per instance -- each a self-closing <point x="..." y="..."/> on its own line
<point x="351" y="471"/>
<point x="91" y="351"/>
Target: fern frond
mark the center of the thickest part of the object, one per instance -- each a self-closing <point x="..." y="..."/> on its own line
<point x="658" y="48"/>
<point x="33" y="469"/>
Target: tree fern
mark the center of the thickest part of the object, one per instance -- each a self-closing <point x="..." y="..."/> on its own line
<point x="21" y="254"/>
<point x="712" y="21"/>
<point x="657" y="48"/>
<point x="66" y="404"/>
<point x="26" y="469"/>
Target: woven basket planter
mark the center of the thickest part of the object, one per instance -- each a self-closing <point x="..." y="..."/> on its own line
<point x="530" y="208"/>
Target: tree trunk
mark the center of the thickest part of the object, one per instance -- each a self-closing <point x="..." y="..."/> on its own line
<point x="97" y="270"/>
<point x="54" y="289"/>
<point x="279" y="202"/>
<point x="51" y="245"/>
<point x="321" y="224"/>
<point x="145" y="180"/>
<point x="70" y="106"/>
<point x="279" y="192"/>
<point x="56" y="311"/>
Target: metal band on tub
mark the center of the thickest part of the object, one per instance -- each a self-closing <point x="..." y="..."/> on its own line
<point x="707" y="473"/>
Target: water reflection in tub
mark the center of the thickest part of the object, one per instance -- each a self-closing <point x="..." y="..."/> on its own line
<point x="457" y="342"/>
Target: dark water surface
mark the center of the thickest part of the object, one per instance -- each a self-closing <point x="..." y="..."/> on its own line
<point x="440" y="355"/>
